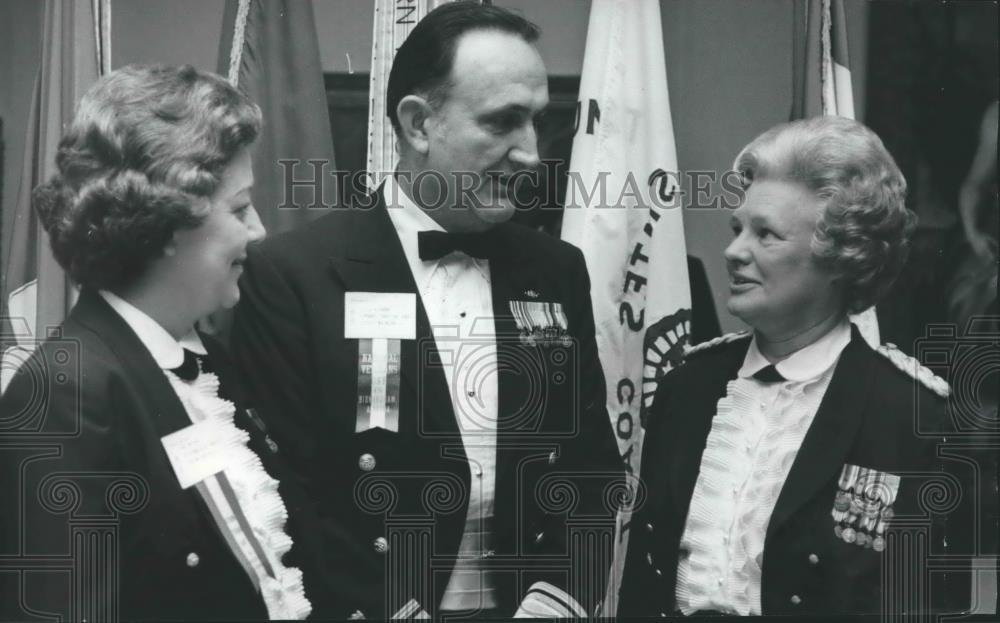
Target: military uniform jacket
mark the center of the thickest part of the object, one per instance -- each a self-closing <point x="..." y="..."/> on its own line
<point x="866" y="418"/>
<point x="86" y="480"/>
<point x="397" y="499"/>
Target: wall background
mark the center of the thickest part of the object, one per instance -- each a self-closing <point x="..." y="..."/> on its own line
<point x="728" y="68"/>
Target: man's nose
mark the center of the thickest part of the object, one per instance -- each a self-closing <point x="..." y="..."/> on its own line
<point x="525" y="150"/>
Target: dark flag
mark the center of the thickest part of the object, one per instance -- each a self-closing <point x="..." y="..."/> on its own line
<point x="275" y="61"/>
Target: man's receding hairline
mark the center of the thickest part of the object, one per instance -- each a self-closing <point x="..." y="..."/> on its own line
<point x="439" y="93"/>
<point x="490" y="29"/>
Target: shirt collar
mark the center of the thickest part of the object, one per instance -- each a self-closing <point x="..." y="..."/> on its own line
<point x="166" y="351"/>
<point x="807" y="363"/>
<point x="406" y="216"/>
<point x="409" y="220"/>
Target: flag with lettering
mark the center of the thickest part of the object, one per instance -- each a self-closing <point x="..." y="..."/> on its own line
<point x="394" y="20"/>
<point x="35" y="294"/>
<point x="270" y="51"/>
<point x="821" y="85"/>
<point x="622" y="210"/>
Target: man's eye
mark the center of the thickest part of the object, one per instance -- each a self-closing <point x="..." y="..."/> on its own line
<point x="505" y="123"/>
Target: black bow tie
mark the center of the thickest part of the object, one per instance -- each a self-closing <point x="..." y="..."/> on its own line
<point x="433" y="245"/>
<point x="189" y="368"/>
<point x="769" y="374"/>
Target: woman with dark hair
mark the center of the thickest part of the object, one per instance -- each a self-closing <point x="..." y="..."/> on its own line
<point x="777" y="463"/>
<point x="150" y="214"/>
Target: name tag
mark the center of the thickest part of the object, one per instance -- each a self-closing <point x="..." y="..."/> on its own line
<point x="380" y="315"/>
<point x="196" y="452"/>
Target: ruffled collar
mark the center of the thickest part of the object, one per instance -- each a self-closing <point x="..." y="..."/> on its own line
<point x="256" y="493"/>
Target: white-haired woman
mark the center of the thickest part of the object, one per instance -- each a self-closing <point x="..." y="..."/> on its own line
<point x="775" y="461"/>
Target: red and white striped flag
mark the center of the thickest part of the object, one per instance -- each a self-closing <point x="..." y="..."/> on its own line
<point x="821" y="83"/>
<point x="623" y="210"/>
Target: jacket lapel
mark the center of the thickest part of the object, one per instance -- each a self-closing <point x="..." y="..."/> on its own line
<point x="521" y="395"/>
<point x="369" y="258"/>
<point x="832" y="433"/>
<point x="166" y="413"/>
<point x="511" y="278"/>
<point x="162" y="412"/>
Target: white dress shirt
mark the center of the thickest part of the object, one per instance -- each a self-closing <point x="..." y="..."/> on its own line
<point x="755" y="437"/>
<point x="456" y="294"/>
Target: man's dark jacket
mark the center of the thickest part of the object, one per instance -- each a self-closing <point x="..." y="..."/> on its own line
<point x="557" y="460"/>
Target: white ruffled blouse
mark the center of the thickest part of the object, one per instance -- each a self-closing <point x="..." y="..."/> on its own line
<point x="754" y="439"/>
<point x="257" y="495"/>
<point x="256" y="492"/>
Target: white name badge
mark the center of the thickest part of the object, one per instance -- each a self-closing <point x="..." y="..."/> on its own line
<point x="196" y="452"/>
<point x="380" y="315"/>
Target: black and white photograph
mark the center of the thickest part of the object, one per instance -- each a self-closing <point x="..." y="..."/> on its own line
<point x="499" y="309"/>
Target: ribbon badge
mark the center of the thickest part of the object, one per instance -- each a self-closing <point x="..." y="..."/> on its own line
<point x="862" y="507"/>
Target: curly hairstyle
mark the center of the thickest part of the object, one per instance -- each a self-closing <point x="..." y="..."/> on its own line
<point x="147" y="146"/>
<point x="865" y="228"/>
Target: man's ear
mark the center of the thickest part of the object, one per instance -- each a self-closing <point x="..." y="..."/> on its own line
<point x="413" y="112"/>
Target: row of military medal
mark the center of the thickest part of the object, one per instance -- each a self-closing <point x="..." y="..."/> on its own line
<point x="862" y="507"/>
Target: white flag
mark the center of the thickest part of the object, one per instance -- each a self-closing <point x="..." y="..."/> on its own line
<point x="624" y="211"/>
<point x="393" y="23"/>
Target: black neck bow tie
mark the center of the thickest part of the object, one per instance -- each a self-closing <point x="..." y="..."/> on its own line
<point x="433" y="245"/>
<point x="189" y="368"/>
<point x="769" y="374"/>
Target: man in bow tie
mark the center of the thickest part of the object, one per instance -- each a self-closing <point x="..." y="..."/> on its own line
<point x="430" y="368"/>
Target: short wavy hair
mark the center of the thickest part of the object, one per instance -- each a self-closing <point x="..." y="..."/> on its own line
<point x="865" y="228"/>
<point x="147" y="145"/>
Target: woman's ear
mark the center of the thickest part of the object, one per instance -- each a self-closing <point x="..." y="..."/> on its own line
<point x="413" y="112"/>
<point x="170" y="249"/>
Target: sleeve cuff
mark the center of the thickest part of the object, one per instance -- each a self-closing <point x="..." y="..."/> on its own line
<point x="544" y="600"/>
